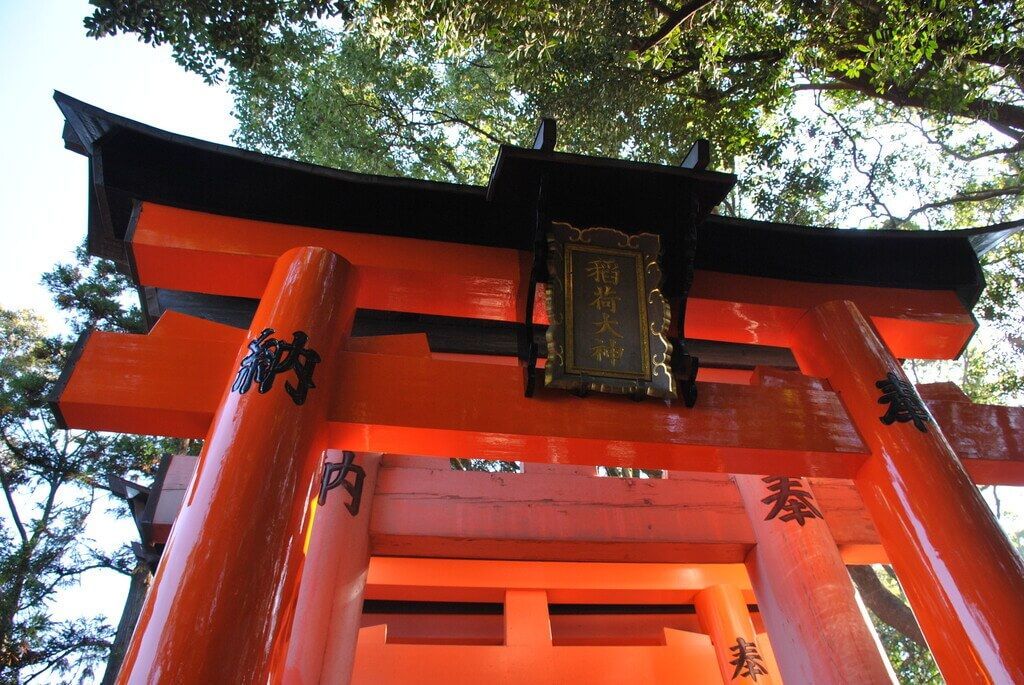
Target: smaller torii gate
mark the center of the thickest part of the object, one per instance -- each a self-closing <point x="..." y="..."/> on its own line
<point x="268" y="573"/>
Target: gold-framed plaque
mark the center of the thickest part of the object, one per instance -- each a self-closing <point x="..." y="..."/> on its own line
<point x="608" y="319"/>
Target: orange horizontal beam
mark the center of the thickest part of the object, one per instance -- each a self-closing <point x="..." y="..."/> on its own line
<point x="685" y="658"/>
<point x="475" y="580"/>
<point x="194" y="251"/>
<point x="551" y="516"/>
<point x="443" y="408"/>
<point x="166" y="383"/>
<point x="422" y="508"/>
<point x="566" y="629"/>
<point x="169" y="382"/>
<point x="169" y="385"/>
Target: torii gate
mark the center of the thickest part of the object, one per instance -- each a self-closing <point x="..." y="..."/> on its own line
<point x="258" y="584"/>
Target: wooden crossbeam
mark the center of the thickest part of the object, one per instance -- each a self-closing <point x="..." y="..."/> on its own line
<point x="423" y="508"/>
<point x="406" y="401"/>
<point x="192" y="251"/>
<point x="169" y="383"/>
<point x="473" y="580"/>
<point x="684" y="658"/>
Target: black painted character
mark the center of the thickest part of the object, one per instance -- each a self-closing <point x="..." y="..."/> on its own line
<point x="269" y="357"/>
<point x="787" y="496"/>
<point x="904" y="403"/>
<point x="748" y="663"/>
<point x="336" y="474"/>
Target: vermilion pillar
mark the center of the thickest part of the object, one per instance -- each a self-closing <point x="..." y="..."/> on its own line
<point x="819" y="631"/>
<point x="723" y="615"/>
<point x="961" y="575"/>
<point x="325" y="629"/>
<point x="224" y="595"/>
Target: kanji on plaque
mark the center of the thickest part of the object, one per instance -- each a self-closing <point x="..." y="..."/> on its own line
<point x="608" y="316"/>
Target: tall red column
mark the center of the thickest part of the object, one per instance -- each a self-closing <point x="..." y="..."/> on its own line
<point x="223" y="598"/>
<point x="329" y="608"/>
<point x="961" y="575"/>
<point x="819" y="631"/>
<point x="723" y="614"/>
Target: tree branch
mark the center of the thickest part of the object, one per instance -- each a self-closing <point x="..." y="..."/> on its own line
<point x="970" y="196"/>
<point x="731" y="60"/>
<point x="452" y="119"/>
<point x="44" y="519"/>
<point x="688" y="11"/>
<point x="869" y="174"/>
<point x="1004" y="117"/>
<point x="662" y="8"/>
<point x="884" y="604"/>
<point x="1006" y="57"/>
<point x="1019" y="147"/>
<point x="13" y="507"/>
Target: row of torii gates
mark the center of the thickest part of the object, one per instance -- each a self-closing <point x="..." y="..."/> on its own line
<point x="729" y="569"/>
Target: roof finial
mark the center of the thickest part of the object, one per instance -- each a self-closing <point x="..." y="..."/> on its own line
<point x="699" y="156"/>
<point x="547" y="134"/>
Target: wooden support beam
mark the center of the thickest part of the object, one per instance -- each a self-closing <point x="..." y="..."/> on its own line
<point x="529" y="654"/>
<point x="192" y="251"/>
<point x="221" y="601"/>
<point x="329" y="606"/>
<point x="684" y="658"/>
<point x="962" y="576"/>
<point x="159" y="384"/>
<point x="473" y="580"/>
<point x="412" y="403"/>
<point x="724" y="617"/>
<point x="432" y="510"/>
<point x="526" y="618"/>
<point x="571" y="625"/>
<point x="453" y="409"/>
<point x="819" y="632"/>
<point x="423" y="508"/>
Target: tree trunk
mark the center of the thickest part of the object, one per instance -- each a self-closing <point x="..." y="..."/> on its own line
<point x="884" y="604"/>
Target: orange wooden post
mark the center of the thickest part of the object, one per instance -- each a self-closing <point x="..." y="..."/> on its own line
<point x="527" y="621"/>
<point x="221" y="603"/>
<point x="723" y="615"/>
<point x="819" y="632"/>
<point x="322" y="643"/>
<point x="961" y="575"/>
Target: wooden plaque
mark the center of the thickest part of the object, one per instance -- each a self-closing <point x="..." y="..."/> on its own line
<point x="608" y="318"/>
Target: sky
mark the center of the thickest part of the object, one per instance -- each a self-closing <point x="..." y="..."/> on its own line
<point x="43" y="187"/>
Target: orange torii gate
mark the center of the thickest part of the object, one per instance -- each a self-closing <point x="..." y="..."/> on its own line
<point x="800" y="330"/>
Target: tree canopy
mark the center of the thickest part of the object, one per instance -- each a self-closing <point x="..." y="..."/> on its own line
<point x="53" y="481"/>
<point x="879" y="113"/>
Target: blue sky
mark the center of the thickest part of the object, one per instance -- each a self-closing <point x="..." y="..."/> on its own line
<point x="43" y="187"/>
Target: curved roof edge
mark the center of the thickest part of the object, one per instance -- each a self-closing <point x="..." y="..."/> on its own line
<point x="220" y="179"/>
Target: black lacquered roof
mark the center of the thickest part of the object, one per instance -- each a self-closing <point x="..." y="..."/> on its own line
<point x="133" y="162"/>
